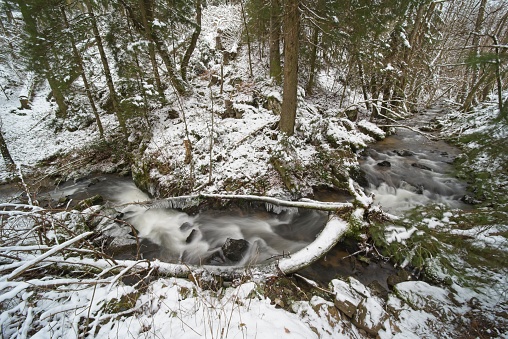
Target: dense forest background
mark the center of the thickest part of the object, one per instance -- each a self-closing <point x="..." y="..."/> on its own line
<point x="130" y="57"/>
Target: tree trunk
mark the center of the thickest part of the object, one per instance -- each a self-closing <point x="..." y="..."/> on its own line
<point x="486" y="77"/>
<point x="248" y="37"/>
<point x="365" y="90"/>
<point x="81" y="68"/>
<point x="313" y="61"/>
<point x="476" y="38"/>
<point x="31" y="29"/>
<point x="387" y="93"/>
<point x="275" y="66"/>
<point x="177" y="82"/>
<point x="105" y="65"/>
<point x="290" y="87"/>
<point x="4" y="150"/>
<point x="56" y="91"/>
<point x="146" y="7"/>
<point x="498" y="74"/>
<point x="504" y="112"/>
<point x="193" y="42"/>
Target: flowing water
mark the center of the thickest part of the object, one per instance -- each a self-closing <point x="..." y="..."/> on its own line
<point x="403" y="171"/>
<point x="407" y="169"/>
<point x="174" y="236"/>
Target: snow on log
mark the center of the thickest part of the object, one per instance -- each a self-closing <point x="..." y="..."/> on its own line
<point x="26" y="91"/>
<point x="328" y="238"/>
<point x="192" y="200"/>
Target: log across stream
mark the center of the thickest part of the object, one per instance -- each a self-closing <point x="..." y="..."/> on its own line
<point x="255" y="230"/>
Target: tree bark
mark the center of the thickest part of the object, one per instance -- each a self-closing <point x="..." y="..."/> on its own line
<point x="4" y="150"/>
<point x="105" y="65"/>
<point x="313" y="61"/>
<point x="365" y="90"/>
<point x="290" y="87"/>
<point x="476" y="38"/>
<point x="81" y="68"/>
<point x="193" y="42"/>
<point x="177" y="82"/>
<point x="248" y="37"/>
<point x="146" y="7"/>
<point x="487" y="78"/>
<point x="275" y="66"/>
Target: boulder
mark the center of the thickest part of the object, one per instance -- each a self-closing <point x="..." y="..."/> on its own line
<point x="384" y="163"/>
<point x="371" y="130"/>
<point x="216" y="258"/>
<point x="234" y="249"/>
<point x="193" y="234"/>
<point x="395" y="279"/>
<point x="378" y="290"/>
<point x="370" y="316"/>
<point x="346" y="299"/>
<point x="430" y="299"/>
<point x="352" y="113"/>
<point x="403" y="153"/>
<point x="421" y="166"/>
<point x="274" y="103"/>
<point x="185" y="226"/>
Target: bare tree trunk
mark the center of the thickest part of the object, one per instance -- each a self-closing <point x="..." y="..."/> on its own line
<point x="468" y="102"/>
<point x="177" y="82"/>
<point x="146" y="7"/>
<point x="498" y="74"/>
<point x="105" y="65"/>
<point x="193" y="42"/>
<point x="313" y="61"/>
<point x="275" y="66"/>
<point x="81" y="68"/>
<point x="290" y="87"/>
<point x="248" y="37"/>
<point x="31" y="29"/>
<point x="56" y="91"/>
<point x="3" y="148"/>
<point x="365" y="90"/>
<point x="387" y="90"/>
<point x="476" y="38"/>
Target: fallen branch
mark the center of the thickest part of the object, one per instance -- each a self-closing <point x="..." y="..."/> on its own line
<point x="17" y="272"/>
<point x="325" y="241"/>
<point x="426" y="135"/>
<point x="124" y="271"/>
<point x="272" y="124"/>
<point x="307" y="203"/>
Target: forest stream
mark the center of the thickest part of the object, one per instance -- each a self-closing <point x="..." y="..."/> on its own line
<point x="405" y="170"/>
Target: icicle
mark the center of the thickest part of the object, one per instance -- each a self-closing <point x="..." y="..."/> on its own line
<point x="277" y="209"/>
<point x="176" y="202"/>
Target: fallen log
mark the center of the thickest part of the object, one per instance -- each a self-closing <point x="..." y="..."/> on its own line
<point x="291" y="263"/>
<point x="193" y="200"/>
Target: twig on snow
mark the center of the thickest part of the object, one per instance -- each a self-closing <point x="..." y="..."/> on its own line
<point x="17" y="272"/>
